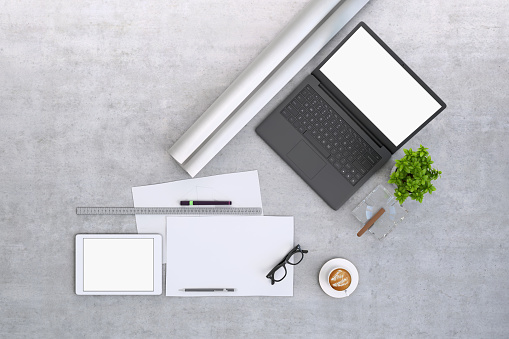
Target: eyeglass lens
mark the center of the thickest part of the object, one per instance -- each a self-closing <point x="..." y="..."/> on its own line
<point x="280" y="273"/>
<point x="295" y="258"/>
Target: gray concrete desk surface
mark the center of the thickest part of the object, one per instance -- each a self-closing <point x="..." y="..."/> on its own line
<point x="93" y="94"/>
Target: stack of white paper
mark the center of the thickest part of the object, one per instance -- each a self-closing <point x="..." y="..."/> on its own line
<point x="228" y="252"/>
<point x="242" y="189"/>
<point x="218" y="251"/>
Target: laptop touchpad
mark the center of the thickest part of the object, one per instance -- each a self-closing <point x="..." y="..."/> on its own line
<point x="306" y="159"/>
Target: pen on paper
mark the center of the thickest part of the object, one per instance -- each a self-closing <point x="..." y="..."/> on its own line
<point x="207" y="290"/>
<point x="204" y="202"/>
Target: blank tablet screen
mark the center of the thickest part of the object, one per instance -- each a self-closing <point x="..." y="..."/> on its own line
<point x="118" y="265"/>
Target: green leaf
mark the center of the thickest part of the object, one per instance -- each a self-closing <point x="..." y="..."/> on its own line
<point x="414" y="175"/>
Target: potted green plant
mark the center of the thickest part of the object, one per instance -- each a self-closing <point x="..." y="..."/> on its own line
<point x="413" y="175"/>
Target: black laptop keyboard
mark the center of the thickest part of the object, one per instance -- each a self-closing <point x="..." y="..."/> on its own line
<point x="331" y="135"/>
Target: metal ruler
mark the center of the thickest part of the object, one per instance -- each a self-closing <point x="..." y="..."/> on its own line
<point x="169" y="210"/>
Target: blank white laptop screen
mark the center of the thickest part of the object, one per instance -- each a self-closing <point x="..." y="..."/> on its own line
<point x="379" y="87"/>
<point x="121" y="264"/>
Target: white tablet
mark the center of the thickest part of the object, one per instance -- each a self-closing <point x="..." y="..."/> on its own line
<point x="119" y="264"/>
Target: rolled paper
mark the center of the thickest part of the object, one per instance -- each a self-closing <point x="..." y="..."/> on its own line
<point x="219" y="127"/>
<point x="250" y="78"/>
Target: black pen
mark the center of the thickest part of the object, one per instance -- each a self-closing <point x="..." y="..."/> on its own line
<point x="203" y="202"/>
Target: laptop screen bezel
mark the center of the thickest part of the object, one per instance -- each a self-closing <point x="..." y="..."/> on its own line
<point x="353" y="110"/>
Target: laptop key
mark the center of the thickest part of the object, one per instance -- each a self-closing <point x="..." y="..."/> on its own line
<point x="370" y="158"/>
<point x="316" y="144"/>
<point x="337" y="165"/>
<point x="359" y="167"/>
<point x="292" y="110"/>
<point x="366" y="164"/>
<point x="297" y="124"/>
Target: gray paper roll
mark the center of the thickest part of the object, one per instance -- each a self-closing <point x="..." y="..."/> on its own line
<point x="193" y="158"/>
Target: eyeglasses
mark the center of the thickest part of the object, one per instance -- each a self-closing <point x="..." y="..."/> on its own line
<point x="293" y="257"/>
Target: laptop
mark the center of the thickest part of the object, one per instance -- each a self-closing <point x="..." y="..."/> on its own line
<point x="346" y="119"/>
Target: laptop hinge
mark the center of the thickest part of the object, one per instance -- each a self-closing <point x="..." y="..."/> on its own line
<point x="371" y="135"/>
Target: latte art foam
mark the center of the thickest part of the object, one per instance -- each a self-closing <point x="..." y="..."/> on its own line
<point x="340" y="279"/>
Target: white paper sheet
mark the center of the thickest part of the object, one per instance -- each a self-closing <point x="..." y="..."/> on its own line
<point x="228" y="252"/>
<point x="242" y="189"/>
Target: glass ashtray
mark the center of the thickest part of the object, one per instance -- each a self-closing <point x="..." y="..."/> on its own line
<point x="379" y="198"/>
